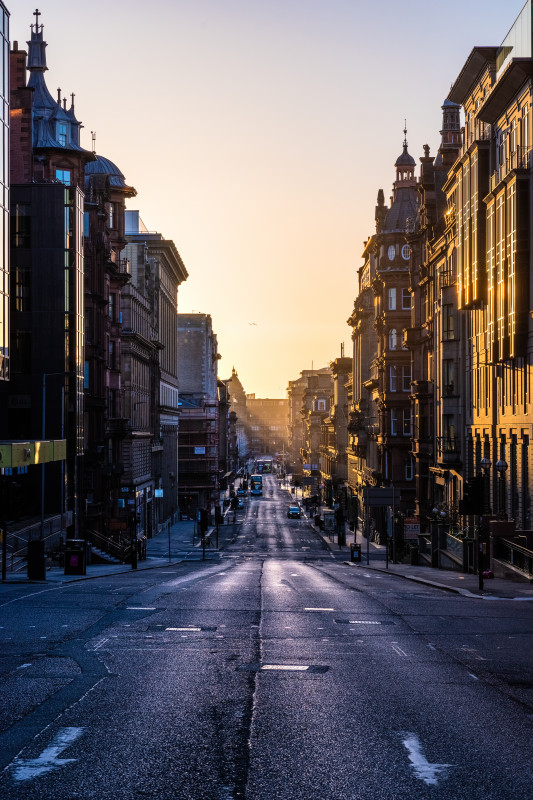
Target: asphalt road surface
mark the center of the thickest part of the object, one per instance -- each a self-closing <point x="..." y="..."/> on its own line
<point x="274" y="672"/>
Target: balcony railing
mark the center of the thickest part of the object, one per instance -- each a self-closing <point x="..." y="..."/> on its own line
<point x="515" y="555"/>
<point x="448" y="445"/>
<point x="518" y="159"/>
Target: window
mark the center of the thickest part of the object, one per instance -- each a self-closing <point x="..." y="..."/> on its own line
<point x="394" y="422"/>
<point x="448" y="328"/>
<point x="393" y="339"/>
<point x="110" y="214"/>
<point x="391" y="252"/>
<point x="409" y="470"/>
<point x="63" y="175"/>
<point x="21" y="225"/>
<point x="448" y="433"/>
<point x="406" y="426"/>
<point x="448" y="376"/>
<point x="112" y="360"/>
<point x="86" y="224"/>
<point x="22" y="288"/>
<point x="112" y="403"/>
<point x="62" y="134"/>
<point x="392" y="299"/>
<point x="112" y="306"/>
<point x="406" y="378"/>
<point x="393" y="379"/>
<point x="321" y="405"/>
<point x="406" y="300"/>
<point x="406" y="252"/>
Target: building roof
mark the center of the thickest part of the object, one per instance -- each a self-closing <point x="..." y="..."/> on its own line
<point x="54" y="126"/>
<point x="103" y="166"/>
<point x="405" y="160"/>
<point x="478" y="60"/>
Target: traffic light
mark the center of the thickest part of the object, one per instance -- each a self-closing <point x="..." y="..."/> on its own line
<point x="472" y="502"/>
<point x="132" y="519"/>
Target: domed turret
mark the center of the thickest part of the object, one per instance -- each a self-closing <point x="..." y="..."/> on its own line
<point x="103" y="166"/>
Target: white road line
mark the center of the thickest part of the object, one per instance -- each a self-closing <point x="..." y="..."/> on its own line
<point x="473" y="676"/>
<point x="49" y="759"/>
<point x="281" y="667"/>
<point x="183" y="629"/>
<point x="100" y="643"/>
<point x="139" y="608"/>
<point x="399" y="650"/>
<point x="424" y="771"/>
<point x="319" y="609"/>
<point x="24" y="666"/>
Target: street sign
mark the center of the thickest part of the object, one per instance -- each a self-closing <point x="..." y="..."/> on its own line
<point x="388" y="496"/>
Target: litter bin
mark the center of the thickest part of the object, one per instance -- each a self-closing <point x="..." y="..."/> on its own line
<point x="36" y="560"/>
<point x="75" y="557"/>
<point x="413" y="555"/>
<point x="355" y="553"/>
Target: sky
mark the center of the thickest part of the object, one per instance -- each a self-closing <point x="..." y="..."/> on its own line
<point x="257" y="135"/>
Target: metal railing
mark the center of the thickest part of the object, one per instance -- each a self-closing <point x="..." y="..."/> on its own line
<point x="117" y="548"/>
<point x="515" y="555"/>
<point x="518" y="159"/>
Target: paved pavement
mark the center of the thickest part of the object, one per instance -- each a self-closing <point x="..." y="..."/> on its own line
<point x="449" y="580"/>
<point x="175" y="544"/>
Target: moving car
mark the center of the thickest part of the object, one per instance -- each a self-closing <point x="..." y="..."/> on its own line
<point x="241" y="492"/>
<point x="240" y="503"/>
<point x="294" y="512"/>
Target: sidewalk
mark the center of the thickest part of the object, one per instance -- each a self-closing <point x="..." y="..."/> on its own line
<point x="461" y="583"/>
<point x="180" y="536"/>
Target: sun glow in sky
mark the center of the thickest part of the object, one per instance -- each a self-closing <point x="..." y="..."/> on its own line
<point x="257" y="135"/>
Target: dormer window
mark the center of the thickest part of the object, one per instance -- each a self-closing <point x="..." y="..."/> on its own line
<point x="63" y="176"/>
<point x="62" y="134"/>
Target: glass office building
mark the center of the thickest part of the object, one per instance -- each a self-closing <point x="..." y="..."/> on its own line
<point x="4" y="193"/>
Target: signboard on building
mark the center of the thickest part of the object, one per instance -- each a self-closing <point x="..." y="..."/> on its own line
<point x="199" y="451"/>
<point x="388" y="496"/>
<point x="411" y="528"/>
<point x="158" y="493"/>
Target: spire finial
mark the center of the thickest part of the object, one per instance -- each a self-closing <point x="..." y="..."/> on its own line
<point x="72" y="96"/>
<point x="59" y="96"/>
<point x="93" y="135"/>
<point x="405" y="133"/>
<point x="37" y="14"/>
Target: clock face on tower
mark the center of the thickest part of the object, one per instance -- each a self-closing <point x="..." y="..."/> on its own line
<point x="391" y="252"/>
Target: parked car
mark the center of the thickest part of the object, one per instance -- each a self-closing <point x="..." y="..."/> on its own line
<point x="241" y="492"/>
<point x="294" y="512"/>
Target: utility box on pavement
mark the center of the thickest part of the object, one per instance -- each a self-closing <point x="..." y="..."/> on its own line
<point x="355" y="553"/>
<point x="75" y="557"/>
<point x="36" y="560"/>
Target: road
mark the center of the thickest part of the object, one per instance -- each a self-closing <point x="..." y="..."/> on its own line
<point x="272" y="671"/>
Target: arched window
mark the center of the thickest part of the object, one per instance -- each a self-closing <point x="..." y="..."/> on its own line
<point x="393" y="339"/>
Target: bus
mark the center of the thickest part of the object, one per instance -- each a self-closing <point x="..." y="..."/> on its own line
<point x="264" y="466"/>
<point x="256" y="484"/>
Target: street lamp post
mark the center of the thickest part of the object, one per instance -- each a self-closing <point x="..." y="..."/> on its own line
<point x="485" y="465"/>
<point x="501" y="468"/>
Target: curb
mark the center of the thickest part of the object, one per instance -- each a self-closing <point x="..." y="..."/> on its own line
<point x="435" y="585"/>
